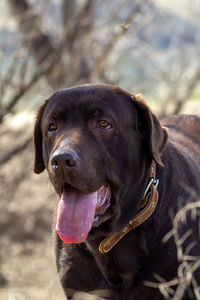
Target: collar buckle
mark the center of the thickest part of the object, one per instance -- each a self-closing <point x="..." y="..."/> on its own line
<point x="153" y="181"/>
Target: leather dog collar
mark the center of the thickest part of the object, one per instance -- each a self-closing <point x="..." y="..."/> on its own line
<point x="147" y="208"/>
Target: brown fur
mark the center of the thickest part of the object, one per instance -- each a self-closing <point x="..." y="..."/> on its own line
<point x="122" y="157"/>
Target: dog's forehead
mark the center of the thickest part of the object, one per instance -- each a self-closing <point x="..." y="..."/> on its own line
<point x="91" y="97"/>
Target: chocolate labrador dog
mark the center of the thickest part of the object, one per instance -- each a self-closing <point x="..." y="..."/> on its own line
<point x="122" y="178"/>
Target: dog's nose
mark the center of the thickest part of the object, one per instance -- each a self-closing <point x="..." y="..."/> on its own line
<point x="62" y="159"/>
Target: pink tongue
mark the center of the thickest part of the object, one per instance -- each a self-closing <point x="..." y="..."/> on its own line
<point x="75" y="215"/>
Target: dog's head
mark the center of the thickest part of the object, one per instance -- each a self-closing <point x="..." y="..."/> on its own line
<point x="97" y="143"/>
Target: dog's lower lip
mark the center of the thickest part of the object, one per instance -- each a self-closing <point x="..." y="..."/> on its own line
<point x="99" y="219"/>
<point x="104" y="201"/>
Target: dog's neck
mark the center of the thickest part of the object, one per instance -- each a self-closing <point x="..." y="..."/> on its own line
<point x="149" y="203"/>
<point x="132" y="241"/>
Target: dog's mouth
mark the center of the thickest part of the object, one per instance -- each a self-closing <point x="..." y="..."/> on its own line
<point x="78" y="212"/>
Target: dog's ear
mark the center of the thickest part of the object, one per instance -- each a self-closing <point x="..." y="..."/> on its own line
<point x="148" y="125"/>
<point x="39" y="162"/>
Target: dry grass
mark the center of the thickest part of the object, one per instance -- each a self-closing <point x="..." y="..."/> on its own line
<point x="188" y="262"/>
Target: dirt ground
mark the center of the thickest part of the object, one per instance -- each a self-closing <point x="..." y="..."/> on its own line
<point x="27" y="200"/>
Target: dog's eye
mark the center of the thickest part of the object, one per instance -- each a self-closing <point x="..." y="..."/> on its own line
<point x="52" y="127"/>
<point x="104" y="124"/>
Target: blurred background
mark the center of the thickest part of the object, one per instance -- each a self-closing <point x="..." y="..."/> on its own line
<point x="147" y="47"/>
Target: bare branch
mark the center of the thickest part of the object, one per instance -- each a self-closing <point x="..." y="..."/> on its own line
<point x="23" y="90"/>
<point x="39" y="43"/>
<point x="189" y="89"/>
<point x="15" y="151"/>
<point x="98" y="68"/>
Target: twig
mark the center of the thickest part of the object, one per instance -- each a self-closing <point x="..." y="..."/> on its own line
<point x="97" y="69"/>
<point x="15" y="151"/>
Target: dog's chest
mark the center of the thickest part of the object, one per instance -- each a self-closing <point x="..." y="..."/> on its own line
<point x="118" y="269"/>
